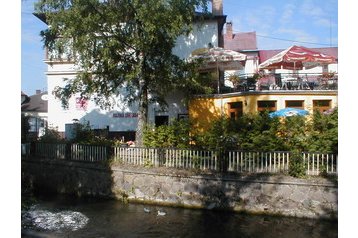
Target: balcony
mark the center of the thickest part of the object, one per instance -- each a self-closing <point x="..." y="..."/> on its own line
<point x="281" y="82"/>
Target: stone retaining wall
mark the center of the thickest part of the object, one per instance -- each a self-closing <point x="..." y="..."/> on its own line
<point x="262" y="194"/>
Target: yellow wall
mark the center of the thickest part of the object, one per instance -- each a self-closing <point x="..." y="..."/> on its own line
<point x="205" y="109"/>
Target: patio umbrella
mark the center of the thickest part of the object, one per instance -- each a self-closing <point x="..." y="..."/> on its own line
<point x="288" y="112"/>
<point x="217" y="58"/>
<point x="297" y="57"/>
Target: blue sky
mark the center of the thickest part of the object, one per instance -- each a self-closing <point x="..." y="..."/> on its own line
<point x="278" y="25"/>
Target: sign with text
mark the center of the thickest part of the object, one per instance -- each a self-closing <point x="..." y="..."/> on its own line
<point x="125" y="115"/>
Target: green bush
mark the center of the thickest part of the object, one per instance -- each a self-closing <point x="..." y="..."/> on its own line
<point x="293" y="133"/>
<point x="323" y="135"/>
<point x="51" y="135"/>
<point x="83" y="134"/>
<point x="176" y="134"/>
<point x="297" y="167"/>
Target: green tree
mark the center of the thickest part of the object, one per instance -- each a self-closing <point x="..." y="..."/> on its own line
<point x="120" y="44"/>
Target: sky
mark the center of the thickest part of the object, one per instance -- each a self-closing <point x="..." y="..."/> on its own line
<point x="278" y="25"/>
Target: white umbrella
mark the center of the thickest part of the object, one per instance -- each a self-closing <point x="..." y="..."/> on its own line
<point x="218" y="58"/>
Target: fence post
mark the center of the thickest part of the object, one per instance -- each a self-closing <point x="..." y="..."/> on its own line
<point x="223" y="160"/>
<point x="32" y="149"/>
<point x="68" y="155"/>
<point x="110" y="152"/>
<point x="160" y="158"/>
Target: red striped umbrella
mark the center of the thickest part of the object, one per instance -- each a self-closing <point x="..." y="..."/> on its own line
<point x="297" y="57"/>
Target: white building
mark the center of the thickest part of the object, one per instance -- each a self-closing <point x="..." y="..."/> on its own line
<point x="35" y="107"/>
<point x="122" y="120"/>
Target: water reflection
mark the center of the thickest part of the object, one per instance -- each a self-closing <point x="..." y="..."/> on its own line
<point x="107" y="218"/>
<point x="53" y="221"/>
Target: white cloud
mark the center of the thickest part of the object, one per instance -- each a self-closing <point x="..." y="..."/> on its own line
<point x="288" y="12"/>
<point x="308" y="8"/>
<point x="298" y="35"/>
<point x="324" y="22"/>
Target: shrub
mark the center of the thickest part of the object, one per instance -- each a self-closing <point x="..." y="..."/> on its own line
<point x="83" y="134"/>
<point x="297" y="167"/>
<point x="51" y="135"/>
<point x="323" y="135"/>
<point x="176" y="134"/>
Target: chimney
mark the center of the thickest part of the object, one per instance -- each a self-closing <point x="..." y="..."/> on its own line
<point x="217" y="7"/>
<point x="228" y="34"/>
<point x="38" y="91"/>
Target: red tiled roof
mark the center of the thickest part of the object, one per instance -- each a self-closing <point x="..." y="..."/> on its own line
<point x="241" y="41"/>
<point x="266" y="54"/>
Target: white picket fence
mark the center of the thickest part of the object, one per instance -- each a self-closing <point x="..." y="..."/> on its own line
<point x="185" y="158"/>
<point x="136" y="156"/>
<point x="50" y="150"/>
<point x="232" y="161"/>
<point x="90" y="153"/>
<point x="317" y="163"/>
<point x="258" y="162"/>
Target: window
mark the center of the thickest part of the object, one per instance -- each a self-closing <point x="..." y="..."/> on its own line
<point x="266" y="105"/>
<point x="322" y="105"/>
<point x="161" y="120"/>
<point x="235" y="109"/>
<point x="183" y="116"/>
<point x="295" y="104"/>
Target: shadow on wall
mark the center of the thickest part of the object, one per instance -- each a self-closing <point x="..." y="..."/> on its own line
<point x="119" y="124"/>
<point x="78" y="179"/>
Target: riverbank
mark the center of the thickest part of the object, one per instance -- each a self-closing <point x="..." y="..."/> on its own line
<point x="251" y="193"/>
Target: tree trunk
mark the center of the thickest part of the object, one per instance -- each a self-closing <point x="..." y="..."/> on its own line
<point x="142" y="111"/>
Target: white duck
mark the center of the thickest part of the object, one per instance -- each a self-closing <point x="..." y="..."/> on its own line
<point x="161" y="213"/>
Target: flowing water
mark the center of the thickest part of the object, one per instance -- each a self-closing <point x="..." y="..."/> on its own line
<point x="66" y="217"/>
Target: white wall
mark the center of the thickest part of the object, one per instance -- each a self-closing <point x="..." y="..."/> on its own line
<point x="200" y="37"/>
<point x="121" y="118"/>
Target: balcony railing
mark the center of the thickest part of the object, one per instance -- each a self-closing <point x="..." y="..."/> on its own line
<point x="284" y="81"/>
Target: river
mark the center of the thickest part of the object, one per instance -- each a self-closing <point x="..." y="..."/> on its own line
<point x="59" y="216"/>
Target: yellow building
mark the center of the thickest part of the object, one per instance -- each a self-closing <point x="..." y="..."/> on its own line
<point x="203" y="109"/>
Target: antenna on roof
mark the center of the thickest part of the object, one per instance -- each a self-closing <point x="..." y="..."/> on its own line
<point x="330" y="31"/>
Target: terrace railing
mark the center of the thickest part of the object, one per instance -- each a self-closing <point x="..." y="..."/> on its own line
<point x="220" y="161"/>
<point x="284" y="81"/>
